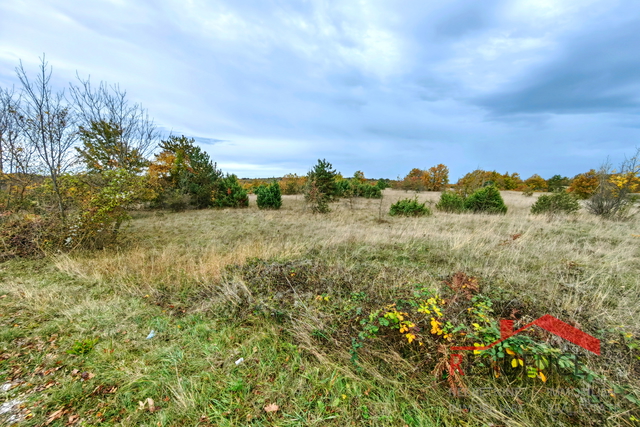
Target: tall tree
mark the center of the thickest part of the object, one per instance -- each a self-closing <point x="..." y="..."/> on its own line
<point x="413" y="180"/>
<point x="557" y="183"/>
<point x="137" y="133"/>
<point x="321" y="186"/>
<point x="436" y="178"/>
<point x="183" y="166"/>
<point x="536" y="183"/>
<point x="104" y="149"/>
<point x="48" y="124"/>
<point x="16" y="154"/>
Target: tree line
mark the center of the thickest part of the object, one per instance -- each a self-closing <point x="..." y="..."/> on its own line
<point x="74" y="162"/>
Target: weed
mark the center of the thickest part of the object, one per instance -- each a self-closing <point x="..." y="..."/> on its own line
<point x="84" y="347"/>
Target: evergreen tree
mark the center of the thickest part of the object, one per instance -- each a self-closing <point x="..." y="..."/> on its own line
<point x="269" y="197"/>
<point x="487" y="200"/>
<point x="321" y="186"/>
<point x="230" y="194"/>
<point x="187" y="169"/>
<point x="557" y="183"/>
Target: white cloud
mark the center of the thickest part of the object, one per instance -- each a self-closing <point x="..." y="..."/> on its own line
<point x="368" y="84"/>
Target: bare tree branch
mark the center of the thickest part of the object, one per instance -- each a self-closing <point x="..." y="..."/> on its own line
<point x="48" y="123"/>
<point x="109" y="104"/>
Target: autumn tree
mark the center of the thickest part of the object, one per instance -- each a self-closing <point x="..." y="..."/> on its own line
<point x="292" y="183"/>
<point x="183" y="168"/>
<point x="358" y="176"/>
<point x="508" y="181"/>
<point x="536" y="183"/>
<point x="107" y="105"/>
<point x="472" y="181"/>
<point x="104" y="149"/>
<point x="585" y="184"/>
<point x="436" y="178"/>
<point x="613" y="197"/>
<point x="413" y="181"/>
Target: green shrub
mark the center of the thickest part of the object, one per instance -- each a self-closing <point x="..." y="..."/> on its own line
<point x="557" y="203"/>
<point x="409" y="207"/>
<point x="343" y="188"/>
<point x="368" y="191"/>
<point x="486" y="200"/>
<point x="450" y="202"/>
<point x="353" y="188"/>
<point x="383" y="183"/>
<point x="230" y="194"/>
<point x="269" y="197"/>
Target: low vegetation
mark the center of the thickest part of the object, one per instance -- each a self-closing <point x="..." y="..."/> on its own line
<point x="409" y="207"/>
<point x="557" y="203"/>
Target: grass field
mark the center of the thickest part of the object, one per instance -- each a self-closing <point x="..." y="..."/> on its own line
<point x="257" y="318"/>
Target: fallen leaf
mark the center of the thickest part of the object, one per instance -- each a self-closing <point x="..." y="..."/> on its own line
<point x="152" y="406"/>
<point x="57" y="414"/>
<point x="87" y="375"/>
<point x="3" y="296"/>
<point x="271" y="408"/>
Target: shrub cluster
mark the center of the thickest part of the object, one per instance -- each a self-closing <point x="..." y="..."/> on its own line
<point x="483" y="200"/>
<point x="354" y="187"/>
<point x="486" y="200"/>
<point x="269" y="197"/>
<point x="450" y="202"/>
<point x="409" y="207"/>
<point x="230" y="194"/>
<point x="559" y="202"/>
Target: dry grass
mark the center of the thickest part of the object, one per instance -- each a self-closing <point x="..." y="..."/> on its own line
<point x="577" y="264"/>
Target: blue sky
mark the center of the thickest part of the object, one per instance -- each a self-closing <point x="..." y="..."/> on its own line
<point x="267" y="87"/>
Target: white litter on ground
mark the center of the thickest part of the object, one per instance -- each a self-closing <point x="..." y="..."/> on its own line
<point x="12" y="408"/>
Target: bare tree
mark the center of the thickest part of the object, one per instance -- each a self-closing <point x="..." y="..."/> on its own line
<point x="107" y="104"/>
<point x="48" y="124"/>
<point x="614" y="197"/>
<point x="7" y="122"/>
<point x="16" y="154"/>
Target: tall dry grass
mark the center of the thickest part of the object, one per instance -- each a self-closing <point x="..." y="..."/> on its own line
<point x="580" y="264"/>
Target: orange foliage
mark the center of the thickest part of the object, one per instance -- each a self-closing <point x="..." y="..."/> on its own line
<point x="536" y="183"/>
<point x="436" y="178"/>
<point x="413" y="180"/>
<point x="584" y="184"/>
<point x="292" y="183"/>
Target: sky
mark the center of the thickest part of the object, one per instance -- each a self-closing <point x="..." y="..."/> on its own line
<point x="269" y="87"/>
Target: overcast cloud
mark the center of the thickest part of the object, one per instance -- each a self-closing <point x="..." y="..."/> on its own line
<point x="268" y="87"/>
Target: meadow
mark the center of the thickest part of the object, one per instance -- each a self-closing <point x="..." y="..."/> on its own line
<point x="258" y="319"/>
